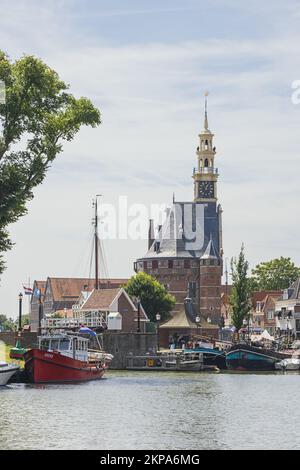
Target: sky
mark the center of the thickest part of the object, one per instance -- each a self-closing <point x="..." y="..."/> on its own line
<point x="146" y="66"/>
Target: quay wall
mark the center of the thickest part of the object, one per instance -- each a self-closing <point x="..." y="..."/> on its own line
<point x="28" y="339"/>
<point x="120" y="345"/>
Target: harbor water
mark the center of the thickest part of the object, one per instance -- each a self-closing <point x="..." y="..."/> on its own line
<point x="152" y="410"/>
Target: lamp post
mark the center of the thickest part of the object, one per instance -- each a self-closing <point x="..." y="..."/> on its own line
<point x="138" y="316"/>
<point x="197" y="319"/>
<point x="20" y="311"/>
<point x="158" y="317"/>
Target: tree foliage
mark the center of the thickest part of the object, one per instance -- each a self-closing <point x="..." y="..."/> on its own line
<point x="6" y="324"/>
<point x="152" y="294"/>
<point x="240" y="299"/>
<point x="277" y="274"/>
<point x="37" y="116"/>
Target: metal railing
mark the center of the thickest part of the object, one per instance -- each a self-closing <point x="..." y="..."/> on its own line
<point x="73" y="322"/>
<point x="206" y="170"/>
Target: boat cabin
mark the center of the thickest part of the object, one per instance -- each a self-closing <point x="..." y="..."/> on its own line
<point x="67" y="345"/>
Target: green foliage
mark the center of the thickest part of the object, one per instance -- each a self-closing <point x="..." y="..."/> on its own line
<point x="39" y="114"/>
<point x="240" y="300"/>
<point x="277" y="274"/>
<point x="7" y="324"/>
<point x="153" y="295"/>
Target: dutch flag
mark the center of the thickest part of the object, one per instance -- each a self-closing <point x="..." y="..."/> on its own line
<point x="28" y="290"/>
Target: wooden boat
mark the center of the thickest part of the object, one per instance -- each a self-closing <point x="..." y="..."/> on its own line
<point x="212" y="356"/>
<point x="247" y="357"/>
<point x="64" y="358"/>
<point x="7" y="371"/>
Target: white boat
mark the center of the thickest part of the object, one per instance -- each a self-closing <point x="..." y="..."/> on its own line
<point x="7" y="371"/>
<point x="288" y="364"/>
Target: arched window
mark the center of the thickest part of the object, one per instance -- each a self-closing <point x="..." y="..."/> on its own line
<point x="206" y="144"/>
<point x="206" y="162"/>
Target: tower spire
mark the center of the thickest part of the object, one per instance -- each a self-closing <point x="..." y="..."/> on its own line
<point x="205" y="114"/>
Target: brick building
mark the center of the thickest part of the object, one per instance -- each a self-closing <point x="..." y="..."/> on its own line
<point x="287" y="311"/>
<point x="37" y="297"/>
<point x="263" y="310"/>
<point x="59" y="294"/>
<point x="113" y="301"/>
<point x="186" y="253"/>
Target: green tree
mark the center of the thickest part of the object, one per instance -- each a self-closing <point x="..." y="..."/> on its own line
<point x="240" y="300"/>
<point x="152" y="294"/>
<point x="6" y="324"/>
<point x="37" y="116"/>
<point x="276" y="274"/>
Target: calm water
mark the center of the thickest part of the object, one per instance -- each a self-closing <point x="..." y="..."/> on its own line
<point x="134" y="410"/>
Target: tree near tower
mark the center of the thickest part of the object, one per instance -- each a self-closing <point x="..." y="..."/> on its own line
<point x="240" y="298"/>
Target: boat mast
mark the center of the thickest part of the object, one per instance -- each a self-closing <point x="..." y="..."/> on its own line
<point x="96" y="242"/>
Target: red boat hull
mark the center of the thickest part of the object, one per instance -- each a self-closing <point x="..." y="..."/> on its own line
<point x="53" y="367"/>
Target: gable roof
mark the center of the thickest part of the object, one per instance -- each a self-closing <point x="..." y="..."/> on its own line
<point x="100" y="299"/>
<point x="104" y="299"/>
<point x="41" y="285"/>
<point x="64" y="289"/>
<point x="261" y="296"/>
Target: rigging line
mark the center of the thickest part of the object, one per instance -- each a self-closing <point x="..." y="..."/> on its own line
<point x="81" y="258"/>
<point x="106" y="273"/>
<point x="91" y="258"/>
<point x="87" y="261"/>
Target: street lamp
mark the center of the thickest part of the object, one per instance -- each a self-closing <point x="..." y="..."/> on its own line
<point x="138" y="316"/>
<point x="20" y="311"/>
<point x="197" y="319"/>
<point x="158" y="317"/>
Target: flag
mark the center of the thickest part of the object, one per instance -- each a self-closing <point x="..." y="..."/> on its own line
<point x="28" y="290"/>
<point x="37" y="293"/>
<point x="85" y="329"/>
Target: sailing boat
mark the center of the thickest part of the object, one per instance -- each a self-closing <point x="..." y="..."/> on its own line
<point x="65" y="357"/>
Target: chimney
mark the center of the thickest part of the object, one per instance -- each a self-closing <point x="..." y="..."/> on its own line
<point x="150" y="234"/>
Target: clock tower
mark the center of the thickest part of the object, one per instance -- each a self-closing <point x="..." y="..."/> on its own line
<point x="205" y="175"/>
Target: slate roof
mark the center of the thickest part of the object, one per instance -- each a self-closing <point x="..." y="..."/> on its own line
<point x="187" y="231"/>
<point x="293" y="291"/>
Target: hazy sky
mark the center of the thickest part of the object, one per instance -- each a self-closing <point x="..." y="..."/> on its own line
<point x="146" y="66"/>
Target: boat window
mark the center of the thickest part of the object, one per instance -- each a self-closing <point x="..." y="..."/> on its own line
<point x="54" y="344"/>
<point x="44" y="344"/>
<point x="64" y="345"/>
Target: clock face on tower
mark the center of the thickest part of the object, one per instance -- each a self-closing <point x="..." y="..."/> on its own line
<point x="206" y="189"/>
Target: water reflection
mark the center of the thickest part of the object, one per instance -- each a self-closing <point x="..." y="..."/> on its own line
<point x="154" y="411"/>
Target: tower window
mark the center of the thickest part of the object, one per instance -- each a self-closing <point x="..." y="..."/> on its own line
<point x="206" y="162"/>
<point x="206" y="145"/>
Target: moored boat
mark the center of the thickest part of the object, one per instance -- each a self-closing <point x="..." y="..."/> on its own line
<point x="292" y="363"/>
<point x="212" y="356"/>
<point x="64" y="358"/>
<point x="6" y="372"/>
<point x="247" y="357"/>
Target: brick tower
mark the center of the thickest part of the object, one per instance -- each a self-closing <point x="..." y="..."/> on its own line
<point x="186" y="253"/>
